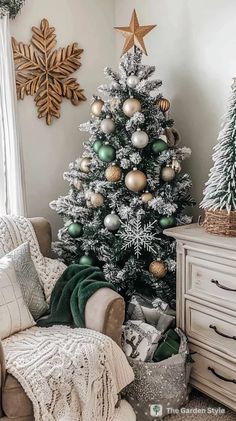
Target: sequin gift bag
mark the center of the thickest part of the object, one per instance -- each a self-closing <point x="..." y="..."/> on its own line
<point x="159" y="386"/>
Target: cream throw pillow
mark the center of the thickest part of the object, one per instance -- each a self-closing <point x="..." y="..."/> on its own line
<point x="14" y="314"/>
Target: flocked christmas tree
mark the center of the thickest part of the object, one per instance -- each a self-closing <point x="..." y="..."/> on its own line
<point x="220" y="191"/>
<point x="128" y="186"/>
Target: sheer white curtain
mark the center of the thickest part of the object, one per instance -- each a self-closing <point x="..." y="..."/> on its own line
<point x="11" y="167"/>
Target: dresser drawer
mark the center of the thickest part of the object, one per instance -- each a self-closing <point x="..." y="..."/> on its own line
<point x="214" y="372"/>
<point x="211" y="281"/>
<point x="211" y="327"/>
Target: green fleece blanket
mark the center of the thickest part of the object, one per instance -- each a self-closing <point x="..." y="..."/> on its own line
<point x="71" y="293"/>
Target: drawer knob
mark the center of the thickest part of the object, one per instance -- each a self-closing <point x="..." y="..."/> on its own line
<point x="221" y="377"/>
<point x="214" y="281"/>
<point x="220" y="333"/>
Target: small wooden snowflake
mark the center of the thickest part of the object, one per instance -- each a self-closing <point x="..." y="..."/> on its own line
<point x="43" y="71"/>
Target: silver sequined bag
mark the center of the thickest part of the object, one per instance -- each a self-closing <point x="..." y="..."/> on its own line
<point x="159" y="386"/>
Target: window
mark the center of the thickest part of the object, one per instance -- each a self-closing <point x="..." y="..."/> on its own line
<point x="11" y="171"/>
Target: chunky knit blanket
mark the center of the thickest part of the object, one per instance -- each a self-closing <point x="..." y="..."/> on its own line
<point x="68" y="374"/>
<point x="16" y="230"/>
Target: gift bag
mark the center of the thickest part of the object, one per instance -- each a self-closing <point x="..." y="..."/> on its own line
<point x="159" y="386"/>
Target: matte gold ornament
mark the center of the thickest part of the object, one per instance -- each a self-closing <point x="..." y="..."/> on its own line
<point x="96" y="107"/>
<point x="167" y="174"/>
<point x="107" y="125"/>
<point x="134" y="34"/>
<point x="131" y="106"/>
<point x="113" y="173"/>
<point x="43" y="72"/>
<point x="135" y="180"/>
<point x="158" y="269"/>
<point x="146" y="197"/>
<point x="164" y="105"/>
<point x="176" y="166"/>
<point x="85" y="165"/>
<point x="97" y="200"/>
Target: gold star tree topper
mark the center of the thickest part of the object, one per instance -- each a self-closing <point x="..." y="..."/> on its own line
<point x="134" y="34"/>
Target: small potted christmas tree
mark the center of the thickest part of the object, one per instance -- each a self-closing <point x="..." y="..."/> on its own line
<point x="220" y="193"/>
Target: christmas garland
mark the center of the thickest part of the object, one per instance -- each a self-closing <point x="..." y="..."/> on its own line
<point x="11" y="6"/>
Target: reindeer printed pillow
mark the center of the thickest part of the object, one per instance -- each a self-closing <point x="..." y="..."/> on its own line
<point x="140" y="340"/>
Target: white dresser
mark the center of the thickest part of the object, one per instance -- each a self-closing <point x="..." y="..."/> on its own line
<point x="206" y="308"/>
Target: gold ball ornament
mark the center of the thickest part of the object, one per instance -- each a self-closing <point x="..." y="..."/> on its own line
<point x="113" y="173"/>
<point x="158" y="269"/>
<point x="96" y="107"/>
<point x="146" y="197"/>
<point x="85" y="164"/>
<point x="167" y="174"/>
<point x="164" y="105"/>
<point x="97" y="200"/>
<point x="131" y="106"/>
<point x="135" y="180"/>
<point x="107" y="125"/>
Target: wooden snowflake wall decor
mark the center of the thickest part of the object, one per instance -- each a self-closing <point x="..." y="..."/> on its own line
<point x="44" y="71"/>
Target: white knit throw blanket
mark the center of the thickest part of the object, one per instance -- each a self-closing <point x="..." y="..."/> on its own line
<point x="68" y="374"/>
<point x="16" y="230"/>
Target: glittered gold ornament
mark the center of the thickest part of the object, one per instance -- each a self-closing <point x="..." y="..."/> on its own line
<point x="134" y="34"/>
<point x="85" y="165"/>
<point x="147" y="196"/>
<point x="158" y="269"/>
<point x="167" y="174"/>
<point x="135" y="180"/>
<point x="96" y="107"/>
<point x="113" y="173"/>
<point x="97" y="200"/>
<point x="131" y="106"/>
<point x="164" y="105"/>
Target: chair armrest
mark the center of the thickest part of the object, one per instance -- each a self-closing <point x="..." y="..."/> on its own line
<point x="43" y="233"/>
<point x="2" y="374"/>
<point x="105" y="313"/>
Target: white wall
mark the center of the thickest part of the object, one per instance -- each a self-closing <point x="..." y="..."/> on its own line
<point x="48" y="150"/>
<point x="194" y="50"/>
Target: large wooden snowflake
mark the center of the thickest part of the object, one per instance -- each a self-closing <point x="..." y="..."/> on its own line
<point x="43" y="71"/>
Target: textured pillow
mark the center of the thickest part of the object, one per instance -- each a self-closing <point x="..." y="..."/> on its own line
<point x="28" y="279"/>
<point x="140" y="340"/>
<point x="14" y="314"/>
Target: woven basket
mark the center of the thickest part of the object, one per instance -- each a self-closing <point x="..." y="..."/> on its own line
<point x="220" y="222"/>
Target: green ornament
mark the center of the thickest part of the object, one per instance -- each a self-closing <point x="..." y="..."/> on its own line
<point x="107" y="153"/>
<point x="75" y="230"/>
<point x="167" y="222"/>
<point x="97" y="145"/>
<point x="159" y="146"/>
<point x="86" y="260"/>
